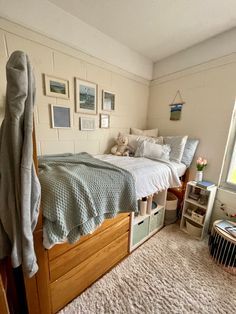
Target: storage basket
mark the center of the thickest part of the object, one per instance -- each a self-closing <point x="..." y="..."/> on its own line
<point x="171" y="208"/>
<point x="171" y="201"/>
<point x="198" y="215"/>
<point x="193" y="229"/>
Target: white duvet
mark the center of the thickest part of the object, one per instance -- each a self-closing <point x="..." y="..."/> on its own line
<point x="150" y="176"/>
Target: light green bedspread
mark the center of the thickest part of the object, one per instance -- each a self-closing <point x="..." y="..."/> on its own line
<point x="79" y="192"/>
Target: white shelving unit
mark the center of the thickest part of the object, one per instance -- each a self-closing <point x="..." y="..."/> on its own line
<point x="143" y="227"/>
<point x="204" y="201"/>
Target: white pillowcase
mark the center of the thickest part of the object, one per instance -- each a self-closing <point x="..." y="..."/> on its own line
<point x="151" y="133"/>
<point x="134" y="140"/>
<point x="154" y="151"/>
<point x="177" y="144"/>
<point x="141" y="139"/>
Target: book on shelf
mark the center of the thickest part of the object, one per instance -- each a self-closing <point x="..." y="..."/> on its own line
<point x="205" y="184"/>
<point x="228" y="227"/>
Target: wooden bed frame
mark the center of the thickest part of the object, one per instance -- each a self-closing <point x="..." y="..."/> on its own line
<point x="66" y="270"/>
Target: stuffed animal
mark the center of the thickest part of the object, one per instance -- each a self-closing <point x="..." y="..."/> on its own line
<point x="121" y="148"/>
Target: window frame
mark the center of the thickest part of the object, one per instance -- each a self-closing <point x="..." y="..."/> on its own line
<point x="228" y="154"/>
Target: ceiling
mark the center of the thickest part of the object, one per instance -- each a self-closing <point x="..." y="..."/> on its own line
<point x="155" y="28"/>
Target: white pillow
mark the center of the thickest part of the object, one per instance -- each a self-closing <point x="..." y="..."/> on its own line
<point x="177" y="144"/>
<point x="154" y="151"/>
<point x="141" y="139"/>
<point x="135" y="139"/>
<point x="151" y="133"/>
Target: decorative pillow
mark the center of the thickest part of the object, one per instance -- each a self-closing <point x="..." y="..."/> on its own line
<point x="154" y="151"/>
<point x="141" y="139"/>
<point x="134" y="140"/>
<point x="189" y="151"/>
<point x="151" y="133"/>
<point x="177" y="144"/>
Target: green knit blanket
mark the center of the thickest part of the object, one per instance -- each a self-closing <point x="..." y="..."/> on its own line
<point x="79" y="192"/>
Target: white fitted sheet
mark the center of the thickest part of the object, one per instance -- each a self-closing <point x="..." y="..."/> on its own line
<point x="181" y="168"/>
<point x="150" y="176"/>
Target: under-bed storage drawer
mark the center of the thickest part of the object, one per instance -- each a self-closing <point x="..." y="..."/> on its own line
<point x="140" y="230"/>
<point x="79" y="278"/>
<point x="84" y="249"/>
<point x="60" y="249"/>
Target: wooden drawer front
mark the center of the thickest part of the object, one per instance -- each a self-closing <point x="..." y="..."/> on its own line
<point x="140" y="230"/>
<point x="156" y="220"/>
<point x="79" y="278"/>
<point x="82" y="251"/>
<point x="61" y="248"/>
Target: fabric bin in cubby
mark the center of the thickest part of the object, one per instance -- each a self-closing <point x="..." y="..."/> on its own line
<point x="140" y="230"/>
<point x="156" y="219"/>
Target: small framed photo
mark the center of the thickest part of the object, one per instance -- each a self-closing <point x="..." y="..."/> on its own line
<point x="86" y="124"/>
<point x="85" y="97"/>
<point x="56" y="87"/>
<point x="104" y="121"/>
<point x="60" y="117"/>
<point x="108" y="101"/>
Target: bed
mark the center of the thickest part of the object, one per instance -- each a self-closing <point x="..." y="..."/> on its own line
<point x="66" y="270"/>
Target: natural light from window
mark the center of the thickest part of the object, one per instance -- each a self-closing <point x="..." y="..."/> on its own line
<point x="231" y="177"/>
<point x="228" y="175"/>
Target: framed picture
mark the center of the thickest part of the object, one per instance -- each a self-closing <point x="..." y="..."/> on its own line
<point x="108" y="101"/>
<point x="85" y="97"/>
<point x="60" y="117"/>
<point x="87" y="124"/>
<point x="56" y="87"/>
<point x="104" y="121"/>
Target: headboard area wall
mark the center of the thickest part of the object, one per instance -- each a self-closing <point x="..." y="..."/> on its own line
<point x="58" y="60"/>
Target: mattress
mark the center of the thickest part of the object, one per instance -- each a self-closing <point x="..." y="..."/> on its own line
<point x="150" y="175"/>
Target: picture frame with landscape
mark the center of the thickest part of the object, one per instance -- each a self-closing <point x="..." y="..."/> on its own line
<point x="85" y="97"/>
<point x="108" y="101"/>
<point x="56" y="87"/>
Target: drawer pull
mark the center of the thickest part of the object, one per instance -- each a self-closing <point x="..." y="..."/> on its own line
<point x="156" y="213"/>
<point x="141" y="222"/>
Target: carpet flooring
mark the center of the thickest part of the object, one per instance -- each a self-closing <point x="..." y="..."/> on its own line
<point x="170" y="273"/>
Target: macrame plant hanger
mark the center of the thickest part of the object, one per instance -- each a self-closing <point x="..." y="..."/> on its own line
<point x="181" y="102"/>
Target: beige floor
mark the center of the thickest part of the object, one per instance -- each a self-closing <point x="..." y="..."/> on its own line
<point x="170" y="273"/>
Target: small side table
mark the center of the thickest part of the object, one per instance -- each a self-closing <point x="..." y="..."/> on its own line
<point x="222" y="247"/>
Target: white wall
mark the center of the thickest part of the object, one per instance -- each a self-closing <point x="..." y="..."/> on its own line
<point x="209" y="50"/>
<point x="205" y="76"/>
<point x="48" y="19"/>
<point x="50" y="57"/>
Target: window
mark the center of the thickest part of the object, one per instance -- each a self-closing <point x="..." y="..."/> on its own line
<point x="228" y="172"/>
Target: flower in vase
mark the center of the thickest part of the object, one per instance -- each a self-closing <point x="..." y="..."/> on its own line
<point x="201" y="163"/>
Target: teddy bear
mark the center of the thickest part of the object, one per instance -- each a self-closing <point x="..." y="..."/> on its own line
<point x="121" y="148"/>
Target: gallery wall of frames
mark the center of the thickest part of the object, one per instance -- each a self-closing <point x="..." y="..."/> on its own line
<point x="85" y="100"/>
<point x="81" y="102"/>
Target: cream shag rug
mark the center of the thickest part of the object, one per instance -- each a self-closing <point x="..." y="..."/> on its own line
<point x="170" y="273"/>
